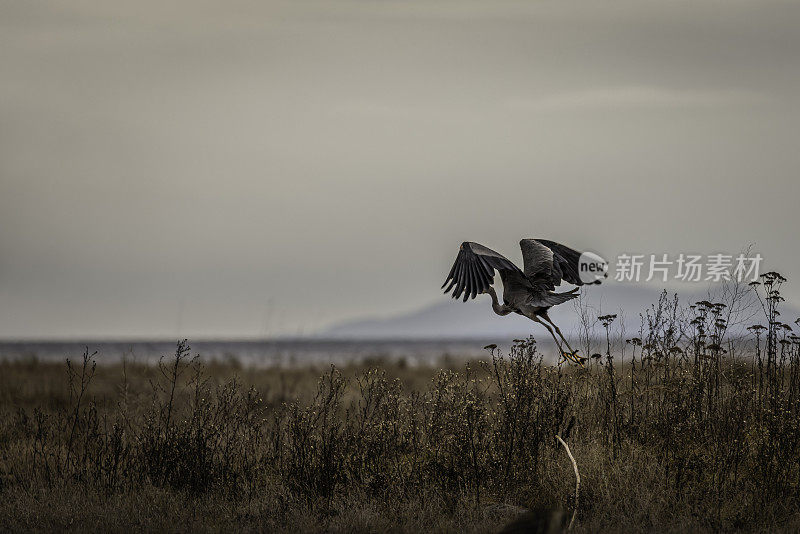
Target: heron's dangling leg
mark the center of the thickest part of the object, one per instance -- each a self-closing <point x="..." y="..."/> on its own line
<point x="573" y="354"/>
<point x="549" y="320"/>
<point x="558" y="344"/>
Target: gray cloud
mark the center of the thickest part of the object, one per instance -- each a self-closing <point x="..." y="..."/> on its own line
<point x="270" y="167"/>
<point x="637" y="96"/>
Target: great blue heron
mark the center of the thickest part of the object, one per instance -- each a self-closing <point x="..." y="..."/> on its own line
<point x="529" y="292"/>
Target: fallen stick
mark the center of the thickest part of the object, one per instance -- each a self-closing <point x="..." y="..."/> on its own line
<point x="577" y="480"/>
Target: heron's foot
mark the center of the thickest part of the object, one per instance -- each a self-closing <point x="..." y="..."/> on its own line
<point x="574" y="357"/>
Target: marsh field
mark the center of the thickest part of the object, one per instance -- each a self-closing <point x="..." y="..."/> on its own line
<point x="689" y="424"/>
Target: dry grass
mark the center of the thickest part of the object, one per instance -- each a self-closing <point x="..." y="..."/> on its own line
<point x="679" y="436"/>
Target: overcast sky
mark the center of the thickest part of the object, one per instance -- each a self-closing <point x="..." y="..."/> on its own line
<point x="251" y="168"/>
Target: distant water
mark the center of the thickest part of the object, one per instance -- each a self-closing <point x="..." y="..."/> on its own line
<point x="280" y="353"/>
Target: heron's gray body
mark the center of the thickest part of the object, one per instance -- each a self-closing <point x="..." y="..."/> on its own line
<point x="528" y="291"/>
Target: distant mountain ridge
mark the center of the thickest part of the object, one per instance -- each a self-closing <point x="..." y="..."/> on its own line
<point x="451" y="319"/>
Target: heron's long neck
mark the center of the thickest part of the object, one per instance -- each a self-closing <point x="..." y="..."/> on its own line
<point x="499" y="309"/>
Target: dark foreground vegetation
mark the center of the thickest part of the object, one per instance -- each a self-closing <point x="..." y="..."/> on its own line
<point x="682" y="426"/>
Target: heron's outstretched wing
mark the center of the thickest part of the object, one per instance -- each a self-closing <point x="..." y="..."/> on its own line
<point x="473" y="270"/>
<point x="548" y="263"/>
